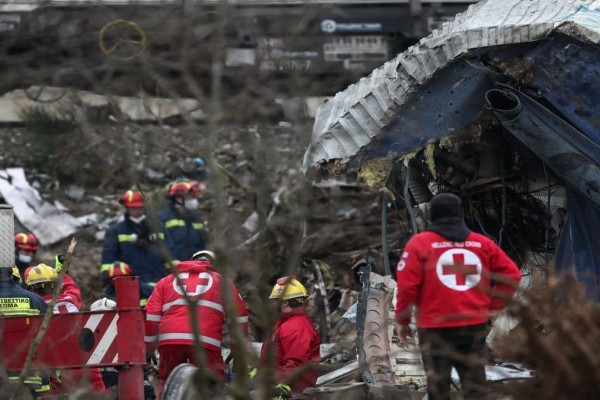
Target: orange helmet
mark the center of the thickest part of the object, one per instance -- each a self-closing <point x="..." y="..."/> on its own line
<point x="26" y="241"/>
<point x="181" y="188"/>
<point x="132" y="198"/>
<point x="118" y="268"/>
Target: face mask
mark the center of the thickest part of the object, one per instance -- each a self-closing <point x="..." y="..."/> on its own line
<point x="137" y="220"/>
<point x="191" y="204"/>
<point x="25" y="258"/>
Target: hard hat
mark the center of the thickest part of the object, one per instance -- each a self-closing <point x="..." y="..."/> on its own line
<point x="118" y="268"/>
<point x="16" y="274"/>
<point x="288" y="288"/>
<point x="132" y="198"/>
<point x="103" y="304"/>
<point x="40" y="274"/>
<point x="204" y="255"/>
<point x="184" y="187"/>
<point x="26" y="241"/>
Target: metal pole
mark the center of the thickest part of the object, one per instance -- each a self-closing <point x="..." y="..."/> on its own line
<point x="131" y="349"/>
<point x="7" y="236"/>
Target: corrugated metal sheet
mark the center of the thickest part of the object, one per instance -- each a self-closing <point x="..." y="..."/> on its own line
<point x="354" y="117"/>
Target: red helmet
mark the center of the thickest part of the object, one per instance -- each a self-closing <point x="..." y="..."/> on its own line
<point x="26" y="241"/>
<point x="181" y="188"/>
<point x="118" y="268"/>
<point x="132" y="198"/>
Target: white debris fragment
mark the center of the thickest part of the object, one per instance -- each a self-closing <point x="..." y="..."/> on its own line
<point x="43" y="219"/>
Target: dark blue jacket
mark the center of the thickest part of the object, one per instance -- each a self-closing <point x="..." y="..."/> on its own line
<point x="16" y="301"/>
<point x="184" y="234"/>
<point x="135" y="245"/>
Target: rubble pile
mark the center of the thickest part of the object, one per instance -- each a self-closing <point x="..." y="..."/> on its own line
<point x="273" y="219"/>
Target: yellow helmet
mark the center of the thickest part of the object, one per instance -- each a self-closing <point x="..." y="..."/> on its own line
<point x="16" y="275"/>
<point x="288" y="288"/>
<point x="40" y="274"/>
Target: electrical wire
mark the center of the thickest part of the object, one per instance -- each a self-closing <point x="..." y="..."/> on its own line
<point x="503" y="177"/>
<point x="547" y="237"/>
<point x="413" y="220"/>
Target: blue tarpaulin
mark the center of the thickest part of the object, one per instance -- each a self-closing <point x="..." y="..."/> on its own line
<point x="578" y="247"/>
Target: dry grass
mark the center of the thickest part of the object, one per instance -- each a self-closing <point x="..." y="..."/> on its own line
<point x="557" y="337"/>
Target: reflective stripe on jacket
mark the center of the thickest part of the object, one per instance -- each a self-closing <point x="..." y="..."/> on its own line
<point x="184" y="235"/>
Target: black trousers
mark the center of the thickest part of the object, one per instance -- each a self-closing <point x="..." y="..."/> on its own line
<point x="462" y="348"/>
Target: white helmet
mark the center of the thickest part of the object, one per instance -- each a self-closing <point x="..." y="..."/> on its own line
<point x="204" y="255"/>
<point x="104" y="304"/>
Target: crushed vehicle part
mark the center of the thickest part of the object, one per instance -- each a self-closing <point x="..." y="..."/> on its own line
<point x="374" y="327"/>
<point x="435" y="88"/>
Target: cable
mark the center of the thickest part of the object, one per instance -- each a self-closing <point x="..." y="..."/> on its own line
<point x="500" y="233"/>
<point x="384" y="243"/>
<point x="547" y="237"/>
<point x="413" y="220"/>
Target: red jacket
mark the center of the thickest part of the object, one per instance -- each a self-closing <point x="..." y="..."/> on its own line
<point x="453" y="284"/>
<point x="69" y="299"/>
<point x="167" y="313"/>
<point x="295" y="342"/>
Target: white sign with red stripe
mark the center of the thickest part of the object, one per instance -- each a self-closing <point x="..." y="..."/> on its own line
<point x="104" y="350"/>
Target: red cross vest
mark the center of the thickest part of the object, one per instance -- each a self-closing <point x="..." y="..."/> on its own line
<point x="167" y="312"/>
<point x="453" y="283"/>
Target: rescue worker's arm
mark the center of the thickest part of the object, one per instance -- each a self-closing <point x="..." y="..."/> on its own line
<point x="505" y="276"/>
<point x="110" y="253"/>
<point x="71" y="292"/>
<point x="153" y="316"/>
<point x="409" y="276"/>
<point x="242" y="315"/>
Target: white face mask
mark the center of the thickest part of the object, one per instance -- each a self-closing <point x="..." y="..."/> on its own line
<point x="137" y="220"/>
<point x="25" y="258"/>
<point x="191" y="204"/>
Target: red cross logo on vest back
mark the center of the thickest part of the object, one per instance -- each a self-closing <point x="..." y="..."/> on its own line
<point x="459" y="269"/>
<point x="194" y="284"/>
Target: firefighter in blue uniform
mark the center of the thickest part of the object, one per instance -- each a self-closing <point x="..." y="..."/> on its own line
<point x="18" y="302"/>
<point x="133" y="242"/>
<point x="182" y="223"/>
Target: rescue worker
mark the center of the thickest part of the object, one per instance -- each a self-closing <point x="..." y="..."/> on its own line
<point x="182" y="223"/>
<point x="42" y="280"/>
<point x="168" y="315"/>
<point x="18" y="302"/>
<point x="132" y="241"/>
<point x="294" y="340"/>
<point x="119" y="268"/>
<point x="26" y="245"/>
<point x="458" y="280"/>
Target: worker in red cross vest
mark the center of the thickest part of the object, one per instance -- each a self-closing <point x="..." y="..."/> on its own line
<point x="168" y="315"/>
<point x="458" y="280"/>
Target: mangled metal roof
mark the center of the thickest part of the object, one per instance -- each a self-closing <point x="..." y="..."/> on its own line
<point x="399" y="107"/>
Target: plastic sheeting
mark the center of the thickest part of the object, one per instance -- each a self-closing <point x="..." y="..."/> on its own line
<point x="578" y="247"/>
<point x="48" y="223"/>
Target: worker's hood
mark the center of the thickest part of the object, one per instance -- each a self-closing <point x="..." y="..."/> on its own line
<point x="194" y="266"/>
